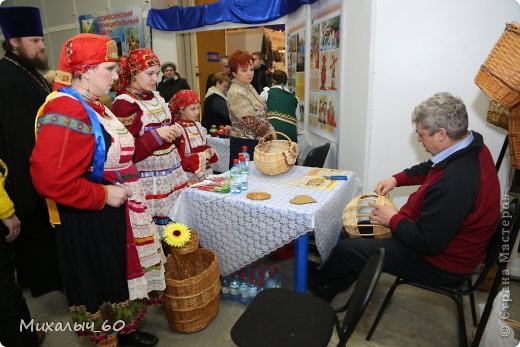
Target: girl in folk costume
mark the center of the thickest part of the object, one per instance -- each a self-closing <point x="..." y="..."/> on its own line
<point x="196" y="155"/>
<point x="111" y="259"/>
<point x="146" y="115"/>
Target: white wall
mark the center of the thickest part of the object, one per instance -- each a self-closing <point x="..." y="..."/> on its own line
<point x="417" y="49"/>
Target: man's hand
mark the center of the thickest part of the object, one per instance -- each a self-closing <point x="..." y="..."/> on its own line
<point x="13" y="226"/>
<point x="381" y="214"/>
<point x="385" y="186"/>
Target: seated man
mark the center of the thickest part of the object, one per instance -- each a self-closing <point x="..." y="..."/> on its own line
<point x="441" y="233"/>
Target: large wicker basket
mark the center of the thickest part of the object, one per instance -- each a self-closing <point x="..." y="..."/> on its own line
<point x="192" y="294"/>
<point x="498" y="115"/>
<point x="514" y="137"/>
<point x="277" y="156"/>
<point x="499" y="76"/>
<point x="356" y="217"/>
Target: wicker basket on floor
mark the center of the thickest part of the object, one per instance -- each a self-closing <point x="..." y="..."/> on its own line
<point x="499" y="76"/>
<point x="276" y="156"/>
<point x="356" y="217"/>
<point x="192" y="294"/>
<point x="498" y="115"/>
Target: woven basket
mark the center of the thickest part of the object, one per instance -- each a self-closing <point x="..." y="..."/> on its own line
<point x="498" y="115"/>
<point x="277" y="156"/>
<point x="355" y="217"/>
<point x="192" y="294"/>
<point x="191" y="246"/>
<point x="499" y="76"/>
<point x="514" y="137"/>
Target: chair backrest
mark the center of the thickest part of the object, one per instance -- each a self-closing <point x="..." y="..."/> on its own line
<point x="503" y="240"/>
<point x="316" y="156"/>
<point x="366" y="283"/>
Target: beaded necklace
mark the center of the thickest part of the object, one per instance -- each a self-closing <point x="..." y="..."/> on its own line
<point x="137" y="94"/>
<point x="45" y="86"/>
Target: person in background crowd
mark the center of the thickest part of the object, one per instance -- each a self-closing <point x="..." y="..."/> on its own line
<point x="247" y="111"/>
<point x="215" y="103"/>
<point x="171" y="81"/>
<point x="282" y="106"/>
<point x="110" y="254"/>
<point x="22" y="90"/>
<point x="196" y="155"/>
<point x="146" y="115"/>
<point x="224" y="68"/>
<point x="261" y="77"/>
<point x="13" y="304"/>
<point x="441" y="233"/>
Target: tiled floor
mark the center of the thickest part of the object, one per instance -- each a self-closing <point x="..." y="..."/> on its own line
<point x="414" y="317"/>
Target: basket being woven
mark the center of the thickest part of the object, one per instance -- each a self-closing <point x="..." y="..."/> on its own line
<point x="499" y="76"/>
<point x="192" y="294"/>
<point x="498" y="115"/>
<point x="276" y="156"/>
<point x="356" y="217"/>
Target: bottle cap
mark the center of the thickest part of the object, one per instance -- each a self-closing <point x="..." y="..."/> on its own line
<point x="241" y="157"/>
<point x="235" y="161"/>
<point x="244" y="148"/>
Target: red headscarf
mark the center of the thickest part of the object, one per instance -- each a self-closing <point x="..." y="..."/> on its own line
<point x="83" y="52"/>
<point x="183" y="98"/>
<point x="133" y="63"/>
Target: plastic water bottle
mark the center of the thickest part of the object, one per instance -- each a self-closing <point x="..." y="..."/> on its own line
<point x="234" y="178"/>
<point x="225" y="289"/>
<point x="277" y="277"/>
<point x="270" y="282"/>
<point x="244" y="290"/>
<point x="233" y="288"/>
<point x="244" y="172"/>
<point x="252" y="290"/>
<point x="246" y="155"/>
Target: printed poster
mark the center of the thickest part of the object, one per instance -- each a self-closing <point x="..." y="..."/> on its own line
<point x="125" y="26"/>
<point x="325" y="69"/>
<point x="296" y="56"/>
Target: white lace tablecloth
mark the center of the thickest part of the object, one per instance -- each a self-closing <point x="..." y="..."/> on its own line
<point x="221" y="145"/>
<point x="240" y="230"/>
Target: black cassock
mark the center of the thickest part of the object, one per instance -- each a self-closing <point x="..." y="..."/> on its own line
<point x="22" y="91"/>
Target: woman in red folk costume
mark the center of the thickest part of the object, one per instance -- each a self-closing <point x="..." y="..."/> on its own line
<point x="109" y="251"/>
<point x="146" y="115"/>
<point x="196" y="155"/>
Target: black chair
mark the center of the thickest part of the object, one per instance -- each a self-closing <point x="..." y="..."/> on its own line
<point x="282" y="317"/>
<point x="495" y="252"/>
<point x="316" y="156"/>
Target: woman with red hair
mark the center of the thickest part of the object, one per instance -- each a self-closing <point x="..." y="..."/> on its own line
<point x="247" y="111"/>
<point x="111" y="260"/>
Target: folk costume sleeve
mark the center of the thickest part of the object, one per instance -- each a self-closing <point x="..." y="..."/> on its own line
<point x="63" y="154"/>
<point x="191" y="162"/>
<point x="130" y="114"/>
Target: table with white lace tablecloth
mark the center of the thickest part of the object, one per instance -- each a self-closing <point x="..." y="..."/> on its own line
<point x="240" y="230"/>
<point x="221" y="145"/>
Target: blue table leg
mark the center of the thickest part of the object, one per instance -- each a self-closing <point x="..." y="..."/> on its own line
<point x="301" y="250"/>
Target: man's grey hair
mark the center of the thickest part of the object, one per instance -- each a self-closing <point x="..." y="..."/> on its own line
<point x="442" y="110"/>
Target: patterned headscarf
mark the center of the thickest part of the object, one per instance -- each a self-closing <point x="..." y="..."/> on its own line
<point x="183" y="98"/>
<point x="83" y="52"/>
<point x="133" y="63"/>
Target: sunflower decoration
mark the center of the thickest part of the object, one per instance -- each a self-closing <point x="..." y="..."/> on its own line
<point x="176" y="234"/>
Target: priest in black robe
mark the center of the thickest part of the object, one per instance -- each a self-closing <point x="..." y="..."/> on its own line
<point x="22" y="91"/>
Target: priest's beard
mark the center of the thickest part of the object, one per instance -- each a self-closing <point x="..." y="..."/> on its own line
<point x="39" y="61"/>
